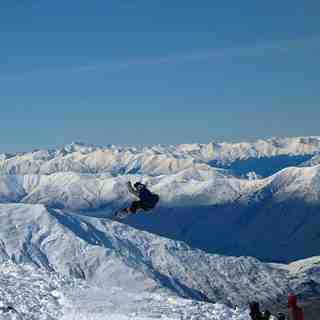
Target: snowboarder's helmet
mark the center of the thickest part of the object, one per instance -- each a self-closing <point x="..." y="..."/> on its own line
<point x="139" y="186"/>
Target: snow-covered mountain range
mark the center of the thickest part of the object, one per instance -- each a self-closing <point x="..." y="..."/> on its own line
<point x="156" y="160"/>
<point x="258" y="199"/>
<point x="197" y="199"/>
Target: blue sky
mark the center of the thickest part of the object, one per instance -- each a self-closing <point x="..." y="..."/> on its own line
<point x="149" y="72"/>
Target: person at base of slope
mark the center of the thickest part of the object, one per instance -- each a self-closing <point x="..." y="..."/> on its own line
<point x="267" y="315"/>
<point x="147" y="200"/>
<point x="295" y="312"/>
<point x="281" y="316"/>
<point x="255" y="312"/>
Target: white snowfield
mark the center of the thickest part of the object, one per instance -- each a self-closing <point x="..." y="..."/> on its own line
<point x="124" y="273"/>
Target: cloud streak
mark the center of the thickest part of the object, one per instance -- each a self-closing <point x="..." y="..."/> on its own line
<point x="259" y="49"/>
<point x="251" y="50"/>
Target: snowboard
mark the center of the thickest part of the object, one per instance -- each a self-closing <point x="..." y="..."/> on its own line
<point x="121" y="214"/>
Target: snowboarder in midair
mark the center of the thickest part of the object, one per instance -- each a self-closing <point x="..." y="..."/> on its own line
<point x="147" y="200"/>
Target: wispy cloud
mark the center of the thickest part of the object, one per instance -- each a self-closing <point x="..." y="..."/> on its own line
<point x="258" y="49"/>
<point x="251" y="50"/>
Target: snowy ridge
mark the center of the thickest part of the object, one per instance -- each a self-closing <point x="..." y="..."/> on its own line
<point x="97" y="251"/>
<point x="294" y="183"/>
<point x="310" y="265"/>
<point x="189" y="187"/>
<point x="251" y="206"/>
<point x="314" y="161"/>
<point x="80" y="191"/>
<point x="229" y="152"/>
<point x="83" y="159"/>
<point x="154" y="160"/>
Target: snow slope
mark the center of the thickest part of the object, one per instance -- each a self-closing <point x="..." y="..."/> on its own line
<point x="36" y="294"/>
<point x="296" y="183"/>
<point x="116" y="254"/>
<point x="59" y="265"/>
<point x="275" y="219"/>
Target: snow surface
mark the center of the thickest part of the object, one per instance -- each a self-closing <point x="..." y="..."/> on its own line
<point x="34" y="293"/>
<point x="116" y="303"/>
<point x="39" y="295"/>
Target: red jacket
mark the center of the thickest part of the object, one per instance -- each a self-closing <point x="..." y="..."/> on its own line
<point x="295" y="312"/>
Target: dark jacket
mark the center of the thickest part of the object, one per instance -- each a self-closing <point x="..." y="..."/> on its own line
<point x="255" y="312"/>
<point x="144" y="194"/>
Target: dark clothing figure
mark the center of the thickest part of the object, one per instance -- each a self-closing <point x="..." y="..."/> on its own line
<point x="295" y="312"/>
<point x="255" y="312"/>
<point x="281" y="316"/>
<point x="147" y="199"/>
<point x="267" y="315"/>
